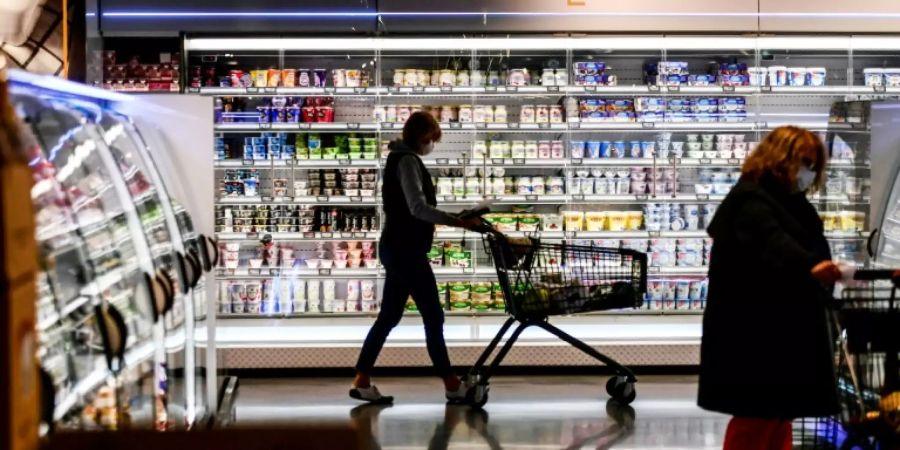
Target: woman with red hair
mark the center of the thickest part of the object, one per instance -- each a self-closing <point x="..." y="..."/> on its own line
<point x="766" y="355"/>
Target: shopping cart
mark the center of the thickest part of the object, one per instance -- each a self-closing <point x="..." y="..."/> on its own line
<point x="540" y="279"/>
<point x="868" y="317"/>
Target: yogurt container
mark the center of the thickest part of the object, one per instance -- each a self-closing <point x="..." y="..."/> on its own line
<point x="892" y="77"/>
<point x="778" y="76"/>
<point x="816" y="76"/>
<point x="873" y="76"/>
<point x="548" y="78"/>
<point x="531" y="149"/>
<point x="499" y="113"/>
<point x="576" y="149"/>
<point x="797" y="76"/>
<point x="757" y="76"/>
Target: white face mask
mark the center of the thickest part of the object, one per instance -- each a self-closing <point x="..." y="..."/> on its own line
<point x="805" y="178"/>
<point x="427" y="148"/>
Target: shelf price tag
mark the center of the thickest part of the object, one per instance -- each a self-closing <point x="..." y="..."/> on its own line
<point x="303" y="126"/>
<point x="571" y="234"/>
<point x="325" y="272"/>
<point x="704" y="197"/>
<point x="322" y="198"/>
<point x="254" y="271"/>
<point x="442" y="161"/>
<point x="468" y="270"/>
<point x="675" y="89"/>
<point x="727" y="88"/>
<point x="275" y="272"/>
<point x="705" y="161"/>
<point x="765" y="89"/>
<point x="674" y="160"/>
<point x="352" y="126"/>
<point x="481" y="125"/>
<point x="228" y="272"/>
<point x="252" y="235"/>
<point x="359" y="235"/>
<point x="648" y="124"/>
<point x="345" y="162"/>
<point x="577" y="197"/>
<point x="490" y="197"/>
<point x="455" y="125"/>
<point x="446" y="88"/>
<point x="497" y="161"/>
<point x="193" y="90"/>
<point x="880" y="89"/>
<point x="418" y="88"/>
<point x="543" y="126"/>
<point x="653" y="88"/>
<point x="490" y="89"/>
<point x="265" y="126"/>
<point x="575" y="125"/>
<point x="329" y="90"/>
<point x="387" y="125"/>
<point x="309" y="235"/>
<point x="393" y="89"/>
<point x="531" y="198"/>
<point x="248" y="162"/>
<point x="269" y="90"/>
<point x="518" y="161"/>
<point x="734" y="161"/>
<point x="267" y="199"/>
<point x="653" y="269"/>
<point x="654" y="234"/>
<point x="512" y="89"/>
<point x="253" y="90"/>
<point x="641" y="197"/>
<point x="326" y="235"/>
<point x="590" y="89"/>
<point x="552" y="88"/>
<point x="449" y="198"/>
<point x="512" y="125"/>
<point x="463" y="161"/>
<point x="355" y="199"/>
<point x="577" y="161"/>
<point x="359" y="90"/>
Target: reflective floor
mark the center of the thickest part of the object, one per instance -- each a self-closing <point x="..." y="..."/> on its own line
<point x="523" y="413"/>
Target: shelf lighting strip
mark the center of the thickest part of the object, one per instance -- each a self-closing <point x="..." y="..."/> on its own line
<point x="646" y="42"/>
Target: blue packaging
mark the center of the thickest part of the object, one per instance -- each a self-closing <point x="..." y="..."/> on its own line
<point x="706" y="104"/>
<point x="622" y="116"/>
<point x="593" y="149"/>
<point x="248" y="152"/>
<point x="734" y="116"/>
<point x="275" y="151"/>
<point x="618" y="149"/>
<point x="589" y="67"/>
<point x="262" y="113"/>
<point x="734" y="80"/>
<point x="680" y="104"/>
<point x="595" y="116"/>
<point x="259" y="152"/>
<point x="605" y="149"/>
<point x="257" y="141"/>
<point x="702" y="80"/>
<point x="651" y="116"/>
<point x="576" y="149"/>
<point x="634" y="149"/>
<point x="732" y="104"/>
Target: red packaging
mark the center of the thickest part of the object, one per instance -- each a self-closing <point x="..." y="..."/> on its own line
<point x="326" y="113"/>
<point x="235" y="77"/>
<point x="309" y="114"/>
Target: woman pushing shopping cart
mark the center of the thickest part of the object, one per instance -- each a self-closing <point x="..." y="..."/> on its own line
<point x="541" y="279"/>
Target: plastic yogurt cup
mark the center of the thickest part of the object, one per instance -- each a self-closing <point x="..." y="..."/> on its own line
<point x="873" y="76"/>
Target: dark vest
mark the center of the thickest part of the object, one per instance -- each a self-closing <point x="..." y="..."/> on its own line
<point x="402" y="231"/>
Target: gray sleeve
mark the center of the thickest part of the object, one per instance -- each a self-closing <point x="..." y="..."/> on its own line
<point x="411" y="182"/>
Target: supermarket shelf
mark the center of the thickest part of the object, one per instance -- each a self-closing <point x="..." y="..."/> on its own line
<point x="308" y="236"/>
<point x="254" y="274"/>
<point x="674" y="126"/>
<point x="653" y="271"/>
<point x="550" y="90"/>
<point x="305" y="126"/>
<point x="333" y="163"/>
<point x="448" y="313"/>
<point x="322" y="199"/>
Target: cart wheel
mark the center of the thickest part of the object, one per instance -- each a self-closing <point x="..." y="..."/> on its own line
<point x="621" y="390"/>
<point x="477" y="396"/>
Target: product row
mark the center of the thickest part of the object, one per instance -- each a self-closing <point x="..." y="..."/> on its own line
<point x="272" y="218"/>
<point x="275" y="110"/>
<point x="134" y="75"/>
<point x="297" y="296"/>
<point x="350" y="182"/>
<point x="661" y="109"/>
<point x="585" y="73"/>
<point x="325" y="255"/>
<point x="681" y="294"/>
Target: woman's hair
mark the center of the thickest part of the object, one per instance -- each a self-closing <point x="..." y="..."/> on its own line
<point x="421" y="128"/>
<point x="782" y="152"/>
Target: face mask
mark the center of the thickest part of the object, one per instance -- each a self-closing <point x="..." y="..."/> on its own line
<point x="427" y="148"/>
<point x="805" y="178"/>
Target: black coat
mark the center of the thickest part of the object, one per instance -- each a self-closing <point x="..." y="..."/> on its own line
<point x="766" y="350"/>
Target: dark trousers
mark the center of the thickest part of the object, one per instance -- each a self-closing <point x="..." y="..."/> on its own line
<point x="407" y="274"/>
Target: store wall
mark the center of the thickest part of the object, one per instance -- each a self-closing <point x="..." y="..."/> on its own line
<point x="870" y="16"/>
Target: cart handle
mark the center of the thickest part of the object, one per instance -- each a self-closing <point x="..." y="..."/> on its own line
<point x="878" y="274"/>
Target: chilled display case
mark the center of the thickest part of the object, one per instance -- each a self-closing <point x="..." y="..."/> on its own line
<point x="616" y="141"/>
<point x="116" y="279"/>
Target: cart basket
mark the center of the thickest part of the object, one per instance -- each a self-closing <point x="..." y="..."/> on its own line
<point x="542" y="279"/>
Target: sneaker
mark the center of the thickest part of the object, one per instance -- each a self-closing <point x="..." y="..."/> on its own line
<point x="370" y="394"/>
<point x="459" y="395"/>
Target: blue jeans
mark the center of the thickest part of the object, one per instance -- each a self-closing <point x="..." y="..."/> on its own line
<point x="407" y="274"/>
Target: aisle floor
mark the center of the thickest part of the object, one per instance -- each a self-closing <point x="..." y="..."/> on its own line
<point x="523" y="413"/>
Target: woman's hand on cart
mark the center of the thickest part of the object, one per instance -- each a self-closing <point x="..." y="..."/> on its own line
<point x="826" y="272"/>
<point x="472" y="220"/>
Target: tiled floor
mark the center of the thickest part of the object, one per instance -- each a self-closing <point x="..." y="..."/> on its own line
<point x="523" y="413"/>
